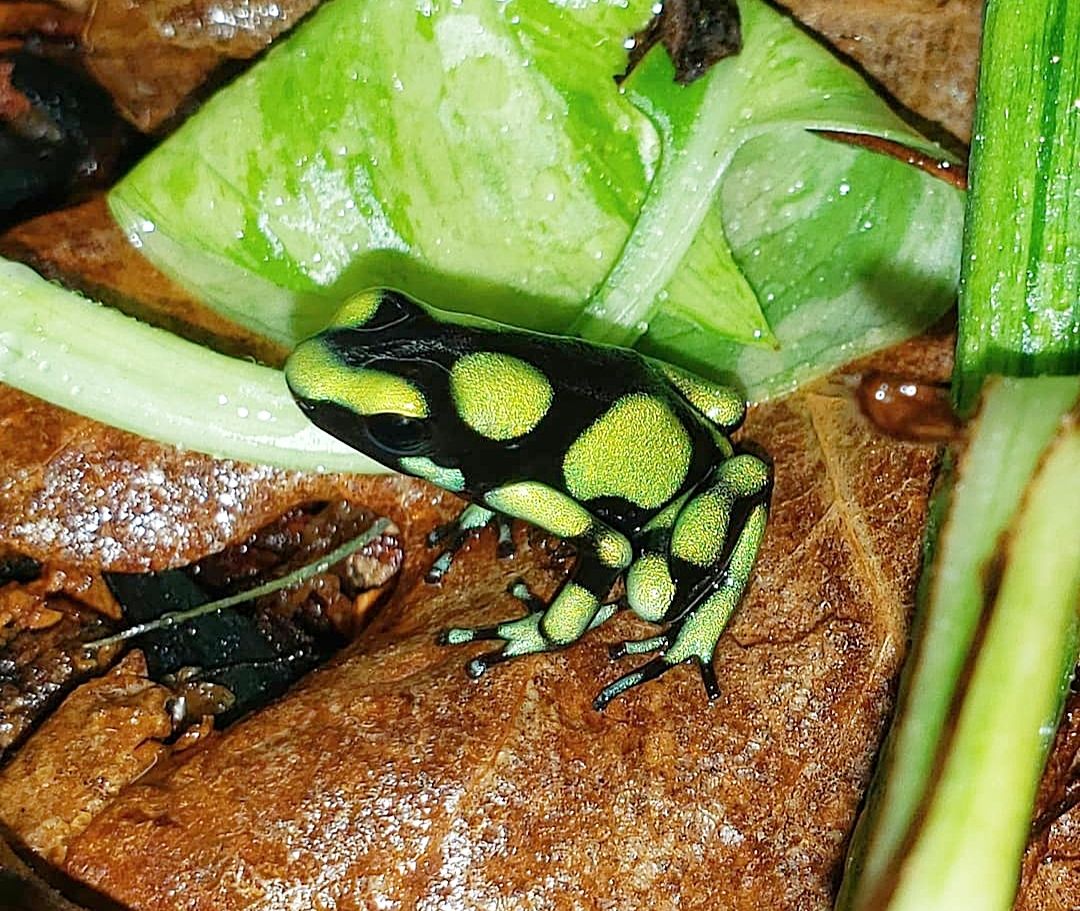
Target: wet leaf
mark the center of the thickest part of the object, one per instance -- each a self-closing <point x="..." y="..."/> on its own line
<point x="668" y="794"/>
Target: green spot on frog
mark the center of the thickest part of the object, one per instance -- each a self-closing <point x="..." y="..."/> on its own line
<point x="499" y="396"/>
<point x="646" y="473"/>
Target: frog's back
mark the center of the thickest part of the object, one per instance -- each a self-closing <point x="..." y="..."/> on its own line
<point x="598" y="423"/>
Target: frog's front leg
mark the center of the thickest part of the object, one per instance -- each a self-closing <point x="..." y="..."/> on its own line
<point x="709" y="573"/>
<point x="472" y="519"/>
<point x="603" y="553"/>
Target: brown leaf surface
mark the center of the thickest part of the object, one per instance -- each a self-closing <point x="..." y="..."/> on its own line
<point x="110" y="728"/>
<point x="389" y="777"/>
<point x="1051" y="873"/>
<point x="79" y="492"/>
<point x="153" y="54"/>
<point x="924" y="51"/>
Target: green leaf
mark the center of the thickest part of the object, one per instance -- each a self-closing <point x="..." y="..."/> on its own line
<point x="781" y="83"/>
<point x="501" y="172"/>
<point x="979" y="819"/>
<point x="475" y="154"/>
<point x="848" y="252"/>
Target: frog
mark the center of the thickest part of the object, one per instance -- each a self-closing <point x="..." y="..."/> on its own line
<point x="628" y="458"/>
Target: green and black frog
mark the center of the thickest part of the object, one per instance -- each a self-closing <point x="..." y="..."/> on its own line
<point x="628" y="458"/>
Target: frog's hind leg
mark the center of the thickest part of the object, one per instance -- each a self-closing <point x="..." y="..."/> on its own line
<point x="603" y="553"/>
<point x="469" y="521"/>
<point x="710" y="572"/>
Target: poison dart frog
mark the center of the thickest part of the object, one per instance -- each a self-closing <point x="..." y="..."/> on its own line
<point x="627" y="458"/>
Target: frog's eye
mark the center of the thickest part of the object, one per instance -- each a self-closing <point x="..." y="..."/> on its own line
<point x="398" y="434"/>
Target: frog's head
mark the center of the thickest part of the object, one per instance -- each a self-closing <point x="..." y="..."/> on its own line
<point x="351" y="380"/>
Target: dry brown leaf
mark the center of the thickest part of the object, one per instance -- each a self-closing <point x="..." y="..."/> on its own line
<point x="925" y="52"/>
<point x="392" y="778"/>
<point x="152" y="55"/>
<point x="112" y="726"/>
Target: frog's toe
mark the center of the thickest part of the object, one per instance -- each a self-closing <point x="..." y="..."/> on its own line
<point x="505" y="547"/>
<point x="520" y="637"/>
<point x="478" y="666"/>
<point x="470" y="522"/>
<point x="519" y="589"/>
<point x="640" y="646"/>
<point x="440" y="567"/>
<point x="440" y="533"/>
<point x="650" y="671"/>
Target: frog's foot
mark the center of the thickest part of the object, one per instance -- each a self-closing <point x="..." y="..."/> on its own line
<point x="573" y="612"/>
<point x="648" y="671"/>
<point x="694" y="637"/>
<point x="522" y="636"/>
<point x="471" y="521"/>
<point x="658" y="666"/>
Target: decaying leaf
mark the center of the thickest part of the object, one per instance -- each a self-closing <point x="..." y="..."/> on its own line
<point x="924" y="51"/>
<point x="230" y="662"/>
<point x="153" y="54"/>
<point x="379" y="775"/>
<point x="695" y="33"/>
<point x="112" y="726"/>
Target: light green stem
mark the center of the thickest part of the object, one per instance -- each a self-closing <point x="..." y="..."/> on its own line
<point x="975" y="826"/>
<point x="80" y="355"/>
<point x="1018" y="420"/>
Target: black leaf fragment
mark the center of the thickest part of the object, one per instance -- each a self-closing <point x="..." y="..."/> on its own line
<point x="696" y="34"/>
<point x="233" y="661"/>
<point x="222" y="665"/>
<point x="16" y="567"/>
<point x="59" y="134"/>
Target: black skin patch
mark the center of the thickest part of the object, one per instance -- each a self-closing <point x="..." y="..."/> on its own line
<point x="696" y="33"/>
<point x="586" y="380"/>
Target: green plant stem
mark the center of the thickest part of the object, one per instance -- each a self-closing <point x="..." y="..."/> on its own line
<point x="80" y="355"/>
<point x="975" y="826"/>
<point x="1020" y="282"/>
<point x="995" y="640"/>
<point x="1018" y="420"/>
